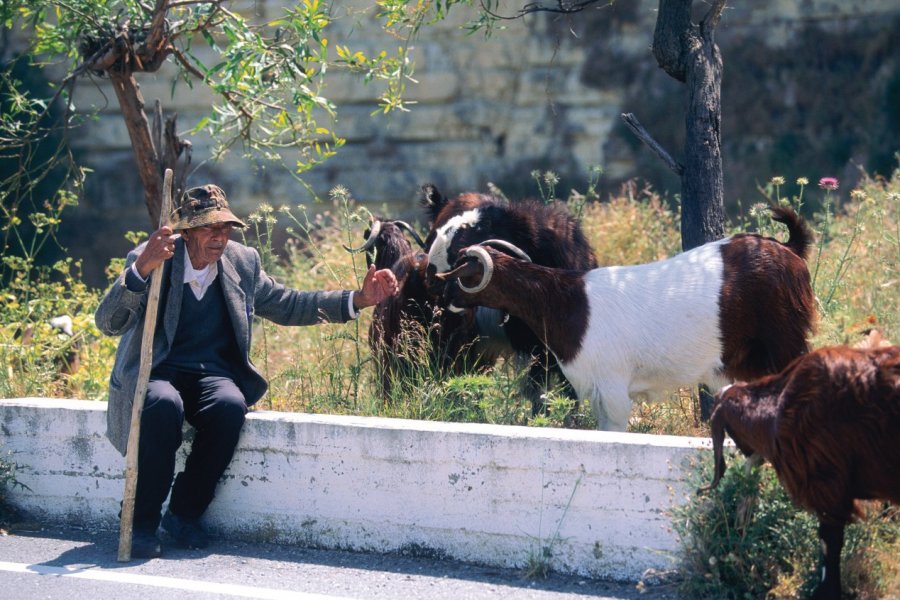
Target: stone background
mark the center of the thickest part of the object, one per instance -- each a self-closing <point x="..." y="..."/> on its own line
<point x="811" y="88"/>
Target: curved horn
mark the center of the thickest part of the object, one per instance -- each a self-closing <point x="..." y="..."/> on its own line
<point x="485" y="259"/>
<point x="374" y="230"/>
<point x="408" y="227"/>
<point x="504" y="245"/>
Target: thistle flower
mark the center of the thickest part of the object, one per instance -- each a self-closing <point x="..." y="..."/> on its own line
<point x="858" y="195"/>
<point x="802" y="181"/>
<point x="778" y="180"/>
<point x="339" y="193"/>
<point x="829" y="183"/>
<point x="759" y="209"/>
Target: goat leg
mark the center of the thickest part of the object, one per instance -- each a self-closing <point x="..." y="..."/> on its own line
<point x="832" y="536"/>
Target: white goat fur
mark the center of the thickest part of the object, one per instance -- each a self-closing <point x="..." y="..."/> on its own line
<point x="437" y="255"/>
<point x="651" y="328"/>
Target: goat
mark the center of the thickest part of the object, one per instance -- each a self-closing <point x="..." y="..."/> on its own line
<point x="547" y="233"/>
<point x="736" y="308"/>
<point x="451" y="342"/>
<point x="829" y="424"/>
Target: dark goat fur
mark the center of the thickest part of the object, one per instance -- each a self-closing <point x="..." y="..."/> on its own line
<point x="829" y="424"/>
<point x="413" y="315"/>
<point x="548" y="233"/>
<point x="763" y="335"/>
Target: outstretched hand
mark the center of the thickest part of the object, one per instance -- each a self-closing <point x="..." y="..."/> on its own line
<point x="377" y="286"/>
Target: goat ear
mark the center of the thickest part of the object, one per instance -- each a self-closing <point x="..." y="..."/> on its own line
<point x="432" y="200"/>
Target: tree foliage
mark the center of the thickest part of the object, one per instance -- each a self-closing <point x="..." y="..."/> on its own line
<point x="268" y="77"/>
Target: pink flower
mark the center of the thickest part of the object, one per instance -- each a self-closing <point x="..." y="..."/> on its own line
<point x="829" y="183"/>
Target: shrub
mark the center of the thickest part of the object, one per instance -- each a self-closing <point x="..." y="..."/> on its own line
<point x="747" y="539"/>
<point x="744" y="538"/>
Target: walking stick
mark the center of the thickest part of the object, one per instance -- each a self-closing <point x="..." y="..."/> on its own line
<point x="126" y="524"/>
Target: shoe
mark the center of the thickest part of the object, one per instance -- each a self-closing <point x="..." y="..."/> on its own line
<point x="186" y="532"/>
<point x="145" y="544"/>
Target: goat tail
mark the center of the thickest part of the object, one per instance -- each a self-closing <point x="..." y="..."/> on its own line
<point x="800" y="236"/>
<point x="717" y="431"/>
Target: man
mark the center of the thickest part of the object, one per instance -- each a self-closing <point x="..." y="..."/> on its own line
<point x="201" y="368"/>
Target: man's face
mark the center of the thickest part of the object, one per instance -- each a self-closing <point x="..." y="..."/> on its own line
<point x="206" y="244"/>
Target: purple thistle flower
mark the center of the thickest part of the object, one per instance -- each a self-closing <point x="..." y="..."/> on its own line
<point x="829" y="183"/>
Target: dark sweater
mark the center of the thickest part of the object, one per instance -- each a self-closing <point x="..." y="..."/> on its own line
<point x="204" y="340"/>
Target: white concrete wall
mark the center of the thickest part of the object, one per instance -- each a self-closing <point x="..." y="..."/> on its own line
<point x="486" y="494"/>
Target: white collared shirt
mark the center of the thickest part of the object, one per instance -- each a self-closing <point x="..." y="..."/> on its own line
<point x="199" y="279"/>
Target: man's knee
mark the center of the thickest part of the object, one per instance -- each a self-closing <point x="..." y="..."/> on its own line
<point x="232" y="408"/>
<point x="228" y="405"/>
<point x="163" y="405"/>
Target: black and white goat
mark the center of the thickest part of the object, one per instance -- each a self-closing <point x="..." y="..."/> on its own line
<point x="736" y="308"/>
<point x="547" y="233"/>
<point x="829" y="424"/>
<point x="410" y="326"/>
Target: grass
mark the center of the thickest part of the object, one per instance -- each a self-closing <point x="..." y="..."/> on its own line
<point x="747" y="539"/>
<point x="752" y="543"/>
<point x="330" y="368"/>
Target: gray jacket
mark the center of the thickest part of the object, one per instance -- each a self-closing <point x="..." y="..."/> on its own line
<point x="248" y="291"/>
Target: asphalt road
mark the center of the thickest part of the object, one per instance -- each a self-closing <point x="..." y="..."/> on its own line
<point x="80" y="564"/>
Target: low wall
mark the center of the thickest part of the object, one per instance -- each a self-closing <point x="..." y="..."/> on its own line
<point x="493" y="495"/>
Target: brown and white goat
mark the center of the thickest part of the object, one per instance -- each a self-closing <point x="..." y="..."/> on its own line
<point x="737" y="308"/>
<point x="829" y="424"/>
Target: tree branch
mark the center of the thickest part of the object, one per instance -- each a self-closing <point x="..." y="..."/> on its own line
<point x="673" y="25"/>
<point x="635" y="126"/>
<point x="561" y="7"/>
<point x="711" y="20"/>
<point x="156" y="37"/>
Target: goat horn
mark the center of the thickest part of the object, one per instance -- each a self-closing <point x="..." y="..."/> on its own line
<point x="374" y="230"/>
<point x="485" y="259"/>
<point x="408" y="227"/>
<point x="504" y="245"/>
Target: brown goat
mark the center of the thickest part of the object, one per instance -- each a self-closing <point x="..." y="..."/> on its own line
<point x="829" y="424"/>
<point x="547" y="233"/>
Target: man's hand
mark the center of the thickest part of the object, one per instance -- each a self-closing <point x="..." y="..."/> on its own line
<point x="160" y="248"/>
<point x="377" y="286"/>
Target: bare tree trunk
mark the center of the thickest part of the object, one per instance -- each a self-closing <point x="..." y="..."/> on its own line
<point x="147" y="158"/>
<point x="688" y="53"/>
<point x="119" y="58"/>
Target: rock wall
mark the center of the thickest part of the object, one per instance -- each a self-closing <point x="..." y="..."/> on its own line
<point x="811" y="88"/>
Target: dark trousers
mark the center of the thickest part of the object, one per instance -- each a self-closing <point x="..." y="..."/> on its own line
<point x="216" y="408"/>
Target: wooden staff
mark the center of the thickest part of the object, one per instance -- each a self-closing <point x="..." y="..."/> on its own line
<point x="126" y="524"/>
